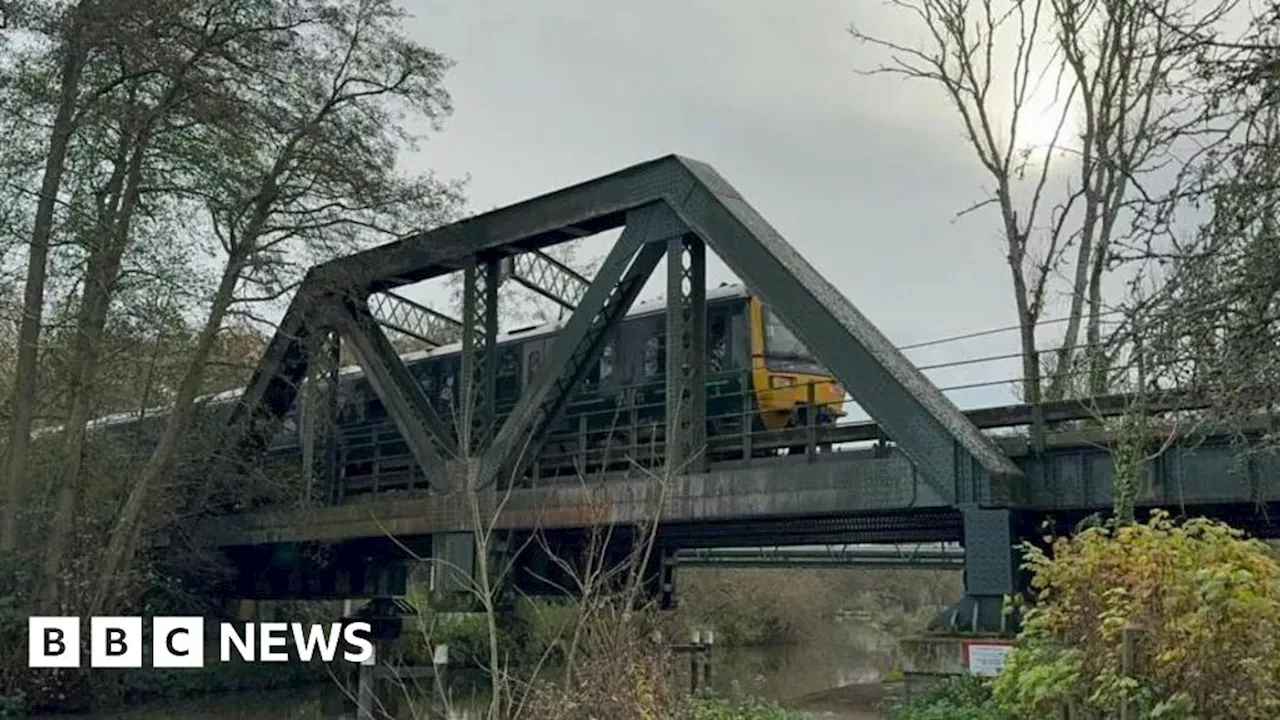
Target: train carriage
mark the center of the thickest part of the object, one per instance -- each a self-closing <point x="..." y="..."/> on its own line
<point x="757" y="372"/>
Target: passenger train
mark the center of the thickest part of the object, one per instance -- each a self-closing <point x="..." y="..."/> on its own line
<point x="752" y="358"/>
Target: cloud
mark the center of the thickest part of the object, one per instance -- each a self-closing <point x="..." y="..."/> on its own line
<point x="862" y="174"/>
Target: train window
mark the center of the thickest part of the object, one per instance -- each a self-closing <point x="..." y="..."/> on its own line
<point x="508" y="382"/>
<point x="446" y="389"/>
<point x="508" y="363"/>
<point x="717" y="342"/>
<point x="655" y="355"/>
<point x="535" y="362"/>
<point x="606" y="361"/>
<point x="430" y="380"/>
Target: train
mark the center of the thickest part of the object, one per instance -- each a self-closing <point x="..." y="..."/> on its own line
<point x="758" y="372"/>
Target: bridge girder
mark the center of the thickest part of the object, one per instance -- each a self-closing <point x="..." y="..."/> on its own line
<point x="690" y="205"/>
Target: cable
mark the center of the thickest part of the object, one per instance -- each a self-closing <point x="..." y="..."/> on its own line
<point x="993" y="358"/>
<point x="993" y="331"/>
<point x="1181" y="313"/>
<point x="1048" y="377"/>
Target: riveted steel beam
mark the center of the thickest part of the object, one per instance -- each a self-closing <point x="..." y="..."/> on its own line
<point x="478" y="375"/>
<point x="407" y="405"/>
<point x="318" y="419"/>
<point x="579" y="344"/>
<point x="583" y="209"/>
<point x="273" y="388"/>
<point x="412" y="319"/>
<point x="963" y="465"/>
<point x="547" y="276"/>
<point x="686" y="353"/>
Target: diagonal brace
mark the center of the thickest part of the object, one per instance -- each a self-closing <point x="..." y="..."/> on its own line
<point x="396" y="312"/>
<point x="953" y="455"/>
<point x="548" y="277"/>
<point x="607" y="300"/>
<point x="391" y="380"/>
<point x="272" y="390"/>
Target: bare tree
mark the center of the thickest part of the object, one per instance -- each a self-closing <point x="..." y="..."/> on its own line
<point x="1212" y="302"/>
<point x="157" y="77"/>
<point x="298" y="164"/>
<point x="75" y="31"/>
<point x="1068" y="105"/>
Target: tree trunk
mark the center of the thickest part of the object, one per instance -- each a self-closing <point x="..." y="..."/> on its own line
<point x="27" y="370"/>
<point x="1093" y="333"/>
<point x="124" y="535"/>
<point x="99" y="290"/>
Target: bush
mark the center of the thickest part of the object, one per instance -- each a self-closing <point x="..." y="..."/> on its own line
<point x="739" y="707"/>
<point x="620" y="670"/>
<point x="1207" y="600"/>
<point x="961" y="698"/>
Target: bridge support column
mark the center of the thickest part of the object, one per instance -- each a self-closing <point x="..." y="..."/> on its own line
<point x="686" y="353"/>
<point x="990" y="573"/>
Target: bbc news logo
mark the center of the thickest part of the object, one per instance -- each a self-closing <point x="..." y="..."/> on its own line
<point x="178" y="642"/>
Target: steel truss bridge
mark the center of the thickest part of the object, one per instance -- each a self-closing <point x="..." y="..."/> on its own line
<point x="921" y="471"/>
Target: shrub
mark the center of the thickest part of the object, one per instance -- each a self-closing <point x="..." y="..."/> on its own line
<point x="739" y="707"/>
<point x="1207" y="600"/>
<point x="960" y="698"/>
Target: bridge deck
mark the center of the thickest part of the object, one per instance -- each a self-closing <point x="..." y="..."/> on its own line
<point x="1074" y="473"/>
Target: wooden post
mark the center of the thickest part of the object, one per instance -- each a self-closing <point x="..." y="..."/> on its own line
<point x="709" y="639"/>
<point x="1128" y="661"/>
<point x="693" y="662"/>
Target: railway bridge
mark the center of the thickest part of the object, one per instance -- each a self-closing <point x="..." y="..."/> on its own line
<point x="710" y="452"/>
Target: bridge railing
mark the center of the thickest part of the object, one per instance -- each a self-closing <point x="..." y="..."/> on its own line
<point x="744" y="425"/>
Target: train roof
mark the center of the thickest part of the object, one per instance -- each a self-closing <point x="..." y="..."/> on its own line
<point x="653" y="306"/>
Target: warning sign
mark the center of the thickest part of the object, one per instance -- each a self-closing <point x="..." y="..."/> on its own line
<point x="986" y="659"/>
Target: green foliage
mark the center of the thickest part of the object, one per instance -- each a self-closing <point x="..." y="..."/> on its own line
<point x="466" y="634"/>
<point x="772" y="607"/>
<point x="961" y="698"/>
<point x="739" y="707"/>
<point x="1207" y="601"/>
<point x="13" y="705"/>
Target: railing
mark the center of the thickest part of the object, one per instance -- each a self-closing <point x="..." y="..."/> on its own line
<point x="621" y="428"/>
<point x="932" y="556"/>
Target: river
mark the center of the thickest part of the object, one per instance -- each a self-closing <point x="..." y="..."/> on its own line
<point x="802" y="676"/>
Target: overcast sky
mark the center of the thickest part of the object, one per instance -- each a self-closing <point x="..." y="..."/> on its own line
<point x="863" y="175"/>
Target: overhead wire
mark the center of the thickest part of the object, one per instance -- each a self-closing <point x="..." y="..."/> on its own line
<point x="992" y="331"/>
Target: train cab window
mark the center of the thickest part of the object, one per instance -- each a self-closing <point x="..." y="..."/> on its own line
<point x="717" y="342"/>
<point x="655" y="355"/>
<point x="783" y="350"/>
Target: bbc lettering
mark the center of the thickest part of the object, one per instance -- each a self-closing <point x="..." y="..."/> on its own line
<point x="178" y="642"/>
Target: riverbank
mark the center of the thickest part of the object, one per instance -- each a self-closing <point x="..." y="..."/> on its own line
<point x="850" y="702"/>
<point x="832" y="681"/>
